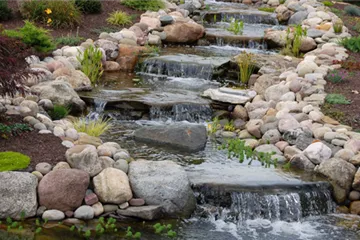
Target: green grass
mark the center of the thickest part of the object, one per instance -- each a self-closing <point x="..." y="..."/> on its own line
<point x="142" y="5"/>
<point x="10" y="161"/>
<point x="118" y="18"/>
<point x="93" y="127"/>
<point x="336" y="99"/>
<point x="328" y="3"/>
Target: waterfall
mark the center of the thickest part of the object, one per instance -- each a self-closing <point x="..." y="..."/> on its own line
<point x="99" y="107"/>
<point x="181" y="112"/>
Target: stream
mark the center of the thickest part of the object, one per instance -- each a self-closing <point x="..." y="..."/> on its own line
<point x="234" y="200"/>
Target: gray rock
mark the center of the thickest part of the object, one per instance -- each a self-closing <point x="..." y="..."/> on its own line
<point x="122" y="165"/>
<point x="40" y="211"/>
<point x="272" y="136"/>
<point x="340" y="174"/>
<point x="18" y="193"/>
<point x="298" y="17"/>
<point x="303" y="141"/>
<point x="169" y="187"/>
<point x="84" y="212"/>
<point x="43" y="168"/>
<point x="314" y="33"/>
<point x="144" y="212"/>
<point x="317" y="152"/>
<point x="300" y="161"/>
<point x="291" y="135"/>
<point x="187" y="137"/>
<point x="166" y="20"/>
<point x="110" y="208"/>
<point x="40" y="126"/>
<point x="268" y="126"/>
<point x="268" y="148"/>
<point x="53" y="215"/>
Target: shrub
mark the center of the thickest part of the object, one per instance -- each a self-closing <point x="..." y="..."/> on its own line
<point x="353" y="43"/>
<point x="152" y="5"/>
<point x="54" y="13"/>
<point x="336" y="99"/>
<point x="236" y="26"/>
<point x="266" y="9"/>
<point x="338" y="26"/>
<point x="118" y="18"/>
<point x="94" y="127"/>
<point x="58" y="112"/>
<point x="246" y="65"/>
<point x="91" y="64"/>
<point x="69" y="40"/>
<point x="356" y="27"/>
<point x="5" y="11"/>
<point x="10" y="161"/>
<point x="328" y="3"/>
<point x="89" y="6"/>
<point x="36" y="37"/>
<point x="335" y="76"/>
<point x="352" y="10"/>
<point x="13" y="67"/>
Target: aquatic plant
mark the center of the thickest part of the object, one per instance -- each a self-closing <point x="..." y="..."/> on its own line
<point x="130" y="234"/>
<point x="246" y="65"/>
<point x="91" y="63"/>
<point x="214" y="126"/>
<point x="163" y="229"/>
<point x="236" y="26"/>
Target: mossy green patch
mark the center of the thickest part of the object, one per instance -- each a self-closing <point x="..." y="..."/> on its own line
<point x="10" y="161"/>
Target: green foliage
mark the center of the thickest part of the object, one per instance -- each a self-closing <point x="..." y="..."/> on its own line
<point x="5" y="11"/>
<point x="237" y="148"/>
<point x="72" y="228"/>
<point x="89" y="6"/>
<point x="356" y="27"/>
<point x="58" y="112"/>
<point x="229" y="126"/>
<point x="267" y="9"/>
<point x="130" y="234"/>
<point x="337" y="12"/>
<point x="13" y="130"/>
<point x="335" y="76"/>
<point x="92" y="127"/>
<point x="87" y="234"/>
<point x="152" y="5"/>
<point x="282" y="1"/>
<point x="38" y="230"/>
<point x="236" y="26"/>
<point x="352" y="10"/>
<point x="163" y="229"/>
<point x="53" y="13"/>
<point x="69" y="40"/>
<point x="338" y="26"/>
<point x="352" y="44"/>
<point x="91" y="64"/>
<point x="246" y="65"/>
<point x="293" y="44"/>
<point x="336" y="99"/>
<point x="36" y="37"/>
<point x="118" y="18"/>
<point x="10" y="161"/>
<point x="328" y="3"/>
<point x="214" y="126"/>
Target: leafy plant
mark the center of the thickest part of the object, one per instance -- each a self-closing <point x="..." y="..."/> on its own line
<point x="352" y="10"/>
<point x="10" y="161"/>
<point x="92" y="127"/>
<point x="267" y="9"/>
<point x="352" y="44"/>
<point x="328" y="3"/>
<point x="162" y="229"/>
<point x="91" y="63"/>
<point x="5" y="11"/>
<point x="338" y="26"/>
<point x="118" y="18"/>
<point x="246" y="65"/>
<point x="237" y="148"/>
<point x="336" y="99"/>
<point x="58" y="112"/>
<point x="229" y="126"/>
<point x="214" y="126"/>
<point x="335" y="76"/>
<point x="130" y="234"/>
<point x="152" y="5"/>
<point x="36" y="37"/>
<point x="89" y="6"/>
<point x="13" y="130"/>
<point x="293" y="43"/>
<point x="53" y="13"/>
<point x="236" y="26"/>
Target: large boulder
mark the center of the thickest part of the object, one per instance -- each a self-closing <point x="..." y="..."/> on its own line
<point x="182" y="136"/>
<point x="298" y="17"/>
<point x="162" y="183"/>
<point x="184" y="32"/>
<point x="340" y="174"/>
<point x="63" y="189"/>
<point x="112" y="186"/>
<point x="84" y="157"/>
<point x="129" y="56"/>
<point x="59" y="92"/>
<point x="17" y="194"/>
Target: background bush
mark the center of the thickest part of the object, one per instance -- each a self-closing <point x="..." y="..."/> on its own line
<point x="63" y="13"/>
<point x="36" y="37"/>
<point x="353" y="43"/>
<point x="89" y="6"/>
<point x="144" y="5"/>
<point x="352" y="11"/>
<point x="5" y="11"/>
<point x="58" y="112"/>
<point x="10" y="161"/>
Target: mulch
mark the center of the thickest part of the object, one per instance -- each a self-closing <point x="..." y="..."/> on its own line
<point x="90" y="25"/>
<point x="39" y="147"/>
<point x="350" y="87"/>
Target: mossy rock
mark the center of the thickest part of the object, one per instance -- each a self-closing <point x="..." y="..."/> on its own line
<point x="10" y="161"/>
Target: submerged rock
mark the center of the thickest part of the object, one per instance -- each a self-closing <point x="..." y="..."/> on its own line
<point x="181" y="136"/>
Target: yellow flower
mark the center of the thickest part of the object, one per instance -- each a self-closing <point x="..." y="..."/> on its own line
<point x="49" y="21"/>
<point x="48" y="11"/>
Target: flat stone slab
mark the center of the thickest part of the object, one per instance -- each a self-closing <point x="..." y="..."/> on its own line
<point x="144" y="212"/>
<point x="230" y="95"/>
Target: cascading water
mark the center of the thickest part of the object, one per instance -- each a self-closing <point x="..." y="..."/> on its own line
<point x="181" y="112"/>
<point x="99" y="107"/>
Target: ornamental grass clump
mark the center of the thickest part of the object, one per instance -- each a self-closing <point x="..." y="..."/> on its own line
<point x="246" y="65"/>
<point x="93" y="127"/>
<point x="338" y="26"/>
<point x="58" y="112"/>
<point x="91" y="64"/>
<point x="10" y="161"/>
<point x="118" y="18"/>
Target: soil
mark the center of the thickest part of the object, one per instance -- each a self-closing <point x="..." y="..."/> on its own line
<point x="350" y="87"/>
<point x="39" y="147"/>
<point x="91" y="25"/>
